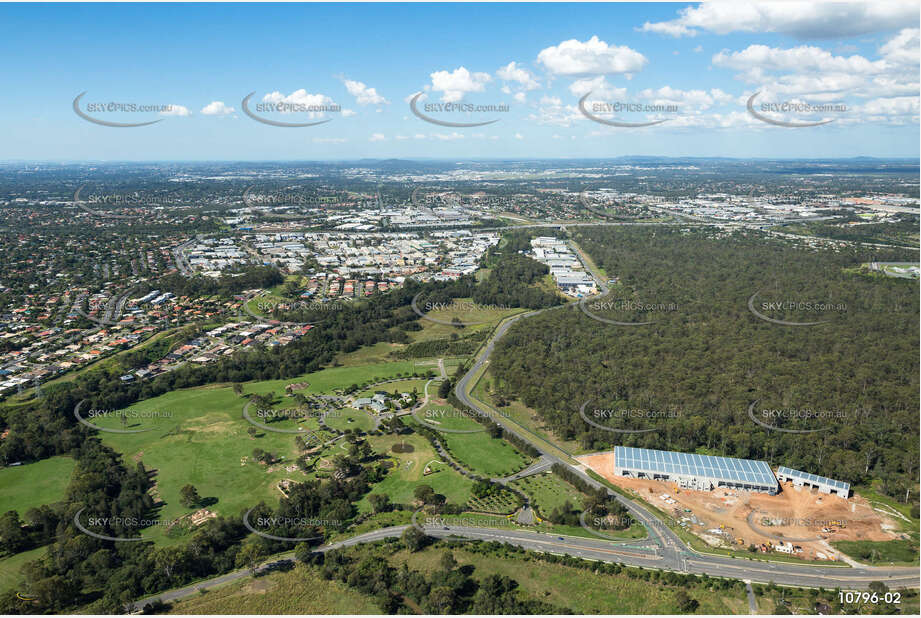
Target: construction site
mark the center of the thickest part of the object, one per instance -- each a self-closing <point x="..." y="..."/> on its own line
<point x="797" y="521"/>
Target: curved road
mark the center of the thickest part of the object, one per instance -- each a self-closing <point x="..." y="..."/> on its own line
<point x="675" y="554"/>
<point x="662" y="550"/>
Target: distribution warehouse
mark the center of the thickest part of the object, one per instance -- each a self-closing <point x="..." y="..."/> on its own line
<point x="707" y="472"/>
<point x="692" y="471"/>
<point x="813" y="481"/>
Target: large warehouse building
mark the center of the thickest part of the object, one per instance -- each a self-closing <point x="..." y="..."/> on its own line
<point x="692" y="471"/>
<point x="813" y="481"/>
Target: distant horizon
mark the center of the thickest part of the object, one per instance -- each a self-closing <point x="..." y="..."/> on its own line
<point x="454" y="160"/>
<point x="445" y="81"/>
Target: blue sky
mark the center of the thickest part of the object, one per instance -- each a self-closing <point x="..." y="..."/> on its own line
<point x="701" y="62"/>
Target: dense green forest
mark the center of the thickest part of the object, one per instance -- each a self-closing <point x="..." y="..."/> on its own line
<point x="692" y="373"/>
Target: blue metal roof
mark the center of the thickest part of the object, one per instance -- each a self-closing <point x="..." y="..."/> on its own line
<point x="691" y="464"/>
<point x="813" y="478"/>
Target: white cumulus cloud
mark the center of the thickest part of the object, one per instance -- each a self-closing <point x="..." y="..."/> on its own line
<point x="592" y="57"/>
<point x="456" y="84"/>
<point x="821" y="20"/>
<point x="176" y="110"/>
<point x="216" y="108"/>
<point x="363" y="94"/>
<point x="599" y="87"/>
<point x="514" y="73"/>
<point x="302" y="99"/>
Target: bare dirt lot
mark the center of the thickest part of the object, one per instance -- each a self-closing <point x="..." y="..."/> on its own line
<point x="802" y="517"/>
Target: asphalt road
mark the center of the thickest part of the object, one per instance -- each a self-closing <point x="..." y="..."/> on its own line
<point x="662" y="549"/>
<point x="634" y="553"/>
<point x="675" y="554"/>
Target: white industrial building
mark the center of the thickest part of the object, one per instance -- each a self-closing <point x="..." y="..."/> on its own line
<point x="812" y="481"/>
<point x="693" y="471"/>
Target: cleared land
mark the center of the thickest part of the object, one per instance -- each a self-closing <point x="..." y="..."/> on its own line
<point x="464" y="310"/>
<point x="400" y="386"/>
<point x="721" y="517"/>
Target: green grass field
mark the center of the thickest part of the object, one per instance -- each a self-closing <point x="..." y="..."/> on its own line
<point x="548" y="491"/>
<point x="32" y="485"/>
<point x="479" y="452"/>
<point x="880" y="552"/>
<point x="491" y="457"/>
<point x="299" y="591"/>
<point x="380" y="352"/>
<point x="579" y="590"/>
<point x="199" y="436"/>
<point x="326" y="380"/>
<point x="10" y="565"/>
<point x="204" y="443"/>
<point x="400" y="386"/>
<point x="348" y="418"/>
<point x="407" y="473"/>
<point x="465" y="311"/>
<point x="439" y="414"/>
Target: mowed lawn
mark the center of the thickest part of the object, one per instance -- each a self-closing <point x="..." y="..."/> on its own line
<point x="327" y="380"/>
<point x="299" y="591"/>
<point x="198" y="436"/>
<point x="478" y="451"/>
<point x="204" y="442"/>
<point x="407" y="473"/>
<point x="548" y="492"/>
<point x="348" y="418"/>
<point x="580" y="590"/>
<point x="10" y="576"/>
<point x="401" y="386"/>
<point x="481" y="453"/>
<point x="32" y="485"/>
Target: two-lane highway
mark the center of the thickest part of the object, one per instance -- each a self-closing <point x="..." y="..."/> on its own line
<point x="629" y="553"/>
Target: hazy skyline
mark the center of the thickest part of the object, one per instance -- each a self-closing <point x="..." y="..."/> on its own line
<point x="531" y="64"/>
